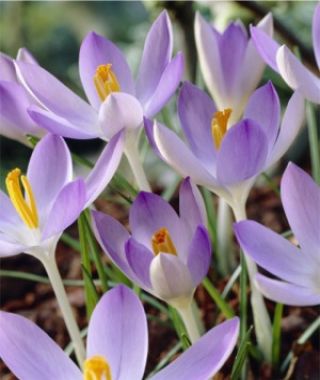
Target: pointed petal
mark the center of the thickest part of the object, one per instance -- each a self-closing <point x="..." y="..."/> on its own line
<point x="139" y="258"/>
<point x="266" y="46"/>
<point x="196" y="110"/>
<point x="243" y="153"/>
<point x="297" y="76"/>
<point x="54" y="95"/>
<point x="96" y="50"/>
<point x="199" y="255"/>
<point x="155" y="58"/>
<point x="118" y="331"/>
<point x="264" y="108"/>
<point x="274" y="253"/>
<point x="288" y="294"/>
<point x="204" y="358"/>
<point x="316" y="33"/>
<point x="65" y="209"/>
<point x="292" y="122"/>
<point x="26" y="56"/>
<point x="27" y="360"/>
<point x="170" y="277"/>
<point x="8" y="71"/>
<point x="118" y="111"/>
<point x="300" y="197"/>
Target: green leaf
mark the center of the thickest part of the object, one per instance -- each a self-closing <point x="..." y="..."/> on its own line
<point x="179" y="327"/>
<point x="276" y="335"/>
<point x="241" y="355"/>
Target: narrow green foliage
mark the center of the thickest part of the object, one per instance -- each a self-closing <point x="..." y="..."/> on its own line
<point x="92" y="296"/>
<point x="243" y="307"/>
<point x="179" y="327"/>
<point x="70" y="241"/>
<point x="313" y="142"/>
<point x="276" y="335"/>
<point x="212" y="221"/>
<point x="271" y="183"/>
<point x="241" y="357"/>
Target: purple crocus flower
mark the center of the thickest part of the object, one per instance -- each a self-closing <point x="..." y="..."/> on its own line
<point x="117" y="346"/>
<point x="15" y="122"/>
<point x="33" y="222"/>
<point x="230" y="64"/>
<point x="225" y="158"/>
<point x="296" y="267"/>
<point x="280" y="59"/>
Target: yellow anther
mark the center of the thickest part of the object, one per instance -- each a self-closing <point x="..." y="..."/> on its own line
<point x="105" y="81"/>
<point x="219" y="124"/>
<point x="96" y="368"/>
<point x="25" y="206"/>
<point x="162" y="242"/>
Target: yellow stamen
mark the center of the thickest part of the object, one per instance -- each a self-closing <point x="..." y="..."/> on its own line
<point x="162" y="242"/>
<point x="26" y="208"/>
<point x="96" y="368"/>
<point x="105" y="81"/>
<point x="219" y="125"/>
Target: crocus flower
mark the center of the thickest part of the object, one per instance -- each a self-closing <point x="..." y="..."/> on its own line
<point x="15" y="122"/>
<point x="223" y="157"/>
<point x="281" y="59"/>
<point x="296" y="267"/>
<point x="166" y="254"/>
<point x="230" y="64"/>
<point x="117" y="346"/>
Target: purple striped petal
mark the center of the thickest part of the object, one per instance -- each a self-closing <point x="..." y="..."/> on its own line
<point x="300" y="197"/>
<point x="118" y="331"/>
<point x="205" y="357"/>
<point x="155" y="58"/>
<point x="242" y="154"/>
<point x="65" y="209"/>
<point x="316" y="33"/>
<point x="96" y="50"/>
<point x="30" y="353"/>
<point x="288" y="294"/>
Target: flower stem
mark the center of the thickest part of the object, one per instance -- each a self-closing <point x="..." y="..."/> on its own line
<point x="188" y="318"/>
<point x="62" y="298"/>
<point x="261" y="317"/>
<point x="132" y="154"/>
<point x="224" y="233"/>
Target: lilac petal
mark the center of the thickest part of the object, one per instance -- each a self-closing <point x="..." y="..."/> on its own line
<point x="292" y="122"/>
<point x="54" y="95"/>
<point x="8" y="71"/>
<point x="148" y="213"/>
<point x="287" y="294"/>
<point x="316" y="33"/>
<point x="96" y="50"/>
<point x="9" y="247"/>
<point x="298" y="76"/>
<point x="266" y="46"/>
<point x="209" y="57"/>
<point x="243" y="152"/>
<point x="25" y="56"/>
<point x="300" y="197"/>
<point x="274" y="253"/>
<point x="8" y="214"/>
<point x="118" y="331"/>
<point x="61" y="126"/>
<point x="205" y="357"/>
<point x="199" y="255"/>
<point x="118" y="111"/>
<point x="232" y="46"/>
<point x="156" y="56"/>
<point x="27" y="360"/>
<point x="148" y="126"/>
<point x="50" y="168"/>
<point x="196" y="110"/>
<point x="264" y="108"/>
<point x="104" y="168"/>
<point x="65" y="209"/>
<point x="170" y="277"/>
<point x="112" y="237"/>
<point x="139" y="258"/>
<point x="179" y="156"/>
<point x="167" y="86"/>
<point x="191" y="205"/>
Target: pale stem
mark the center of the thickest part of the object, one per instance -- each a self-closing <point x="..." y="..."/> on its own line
<point x="62" y="298"/>
<point x="132" y="154"/>
<point x="261" y="317"/>
<point x="224" y="234"/>
<point x="188" y="318"/>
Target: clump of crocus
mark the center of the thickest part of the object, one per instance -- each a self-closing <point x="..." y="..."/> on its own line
<point x="280" y="59"/>
<point x="166" y="254"/>
<point x="296" y="267"/>
<point x="117" y="346"/>
<point x="230" y="64"/>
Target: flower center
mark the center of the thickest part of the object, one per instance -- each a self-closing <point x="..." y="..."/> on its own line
<point x="96" y="368"/>
<point x="24" y="205"/>
<point x="219" y="125"/>
<point x="105" y="81"/>
<point x="162" y="242"/>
